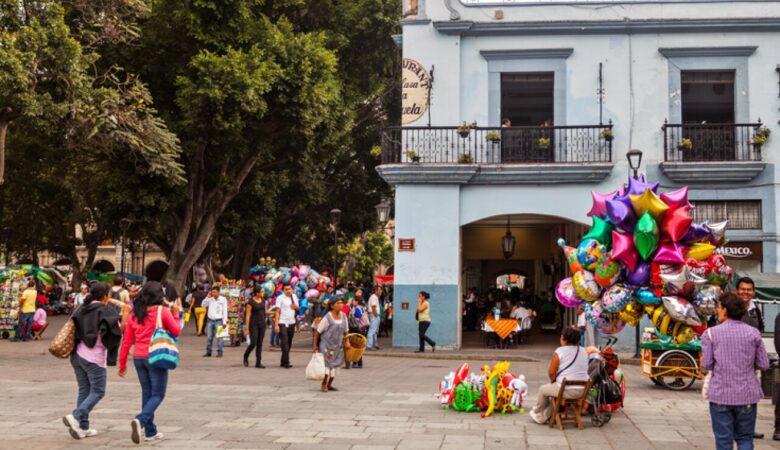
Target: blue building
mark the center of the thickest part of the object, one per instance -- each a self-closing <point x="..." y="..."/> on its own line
<point x="515" y="110"/>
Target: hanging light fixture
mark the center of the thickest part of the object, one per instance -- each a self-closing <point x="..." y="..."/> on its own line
<point x="508" y="242"/>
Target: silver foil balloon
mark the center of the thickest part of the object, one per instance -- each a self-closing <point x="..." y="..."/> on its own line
<point x="718" y="232"/>
<point x="681" y="310"/>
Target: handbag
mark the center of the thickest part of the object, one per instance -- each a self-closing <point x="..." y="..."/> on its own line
<point x="316" y="368"/>
<point x="705" y="387"/>
<point x="64" y="343"/>
<point x="163" y="348"/>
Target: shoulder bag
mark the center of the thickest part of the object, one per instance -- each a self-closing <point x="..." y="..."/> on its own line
<point x="64" y="343"/>
<point x="163" y="348"/>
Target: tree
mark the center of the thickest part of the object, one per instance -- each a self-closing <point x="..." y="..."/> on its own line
<point x="364" y="254"/>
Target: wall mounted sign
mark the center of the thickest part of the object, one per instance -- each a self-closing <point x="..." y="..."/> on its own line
<point x="415" y="87"/>
<point x="751" y="251"/>
<point x="405" y="245"/>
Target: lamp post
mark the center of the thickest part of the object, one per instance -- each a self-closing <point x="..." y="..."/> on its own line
<point x="7" y="238"/>
<point x="508" y="242"/>
<point x="383" y="211"/>
<point x="634" y="158"/>
<point x="335" y="217"/>
<point x="124" y="224"/>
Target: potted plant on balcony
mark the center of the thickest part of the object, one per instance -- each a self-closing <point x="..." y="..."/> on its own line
<point x="466" y="158"/>
<point x="493" y="137"/>
<point x="543" y="143"/>
<point x="761" y="137"/>
<point x="413" y="156"/>
<point x="464" y="130"/>
<point x="607" y="135"/>
<point x="685" y="144"/>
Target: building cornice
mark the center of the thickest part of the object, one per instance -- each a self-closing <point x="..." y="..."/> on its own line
<point x="538" y="53"/>
<point x="707" y="51"/>
<point x="470" y="28"/>
<point x="501" y="174"/>
<point x="712" y="172"/>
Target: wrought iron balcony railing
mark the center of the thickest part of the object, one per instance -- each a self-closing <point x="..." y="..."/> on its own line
<point x="711" y="142"/>
<point x="488" y="145"/>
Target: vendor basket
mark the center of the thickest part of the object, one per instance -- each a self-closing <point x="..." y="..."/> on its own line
<point x="357" y="343"/>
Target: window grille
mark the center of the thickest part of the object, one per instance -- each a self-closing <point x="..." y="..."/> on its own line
<point x="741" y="214"/>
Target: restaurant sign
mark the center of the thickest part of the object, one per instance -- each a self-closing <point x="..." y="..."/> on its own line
<point x="414" y="92"/>
<point x="751" y="251"/>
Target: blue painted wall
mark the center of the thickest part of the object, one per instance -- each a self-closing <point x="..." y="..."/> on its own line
<point x="444" y="315"/>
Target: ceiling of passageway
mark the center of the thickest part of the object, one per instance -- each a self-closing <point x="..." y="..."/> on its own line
<point x="519" y="220"/>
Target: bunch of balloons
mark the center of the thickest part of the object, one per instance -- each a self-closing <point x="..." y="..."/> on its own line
<point x="306" y="282"/>
<point x="643" y="254"/>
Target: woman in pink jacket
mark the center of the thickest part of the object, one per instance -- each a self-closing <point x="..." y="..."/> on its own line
<point x="138" y="333"/>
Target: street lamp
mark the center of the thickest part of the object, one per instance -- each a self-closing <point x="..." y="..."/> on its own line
<point x="383" y="211"/>
<point x="634" y="158"/>
<point x="124" y="224"/>
<point x="335" y="217"/>
<point x="508" y="242"/>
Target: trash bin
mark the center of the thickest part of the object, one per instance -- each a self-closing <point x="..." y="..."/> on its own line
<point x="770" y="379"/>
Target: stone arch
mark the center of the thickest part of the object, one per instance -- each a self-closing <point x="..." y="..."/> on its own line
<point x="155" y="270"/>
<point x="104" y="266"/>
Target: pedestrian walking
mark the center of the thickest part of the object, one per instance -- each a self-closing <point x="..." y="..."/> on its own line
<point x="255" y="326"/>
<point x="196" y="306"/>
<point x="330" y="339"/>
<point x="26" y="312"/>
<point x="284" y="322"/>
<point x="374" y="319"/>
<point x="97" y="339"/>
<point x="424" y="321"/>
<point x="216" y="318"/>
<point x="138" y="334"/>
<point x="733" y="351"/>
<point x="569" y="362"/>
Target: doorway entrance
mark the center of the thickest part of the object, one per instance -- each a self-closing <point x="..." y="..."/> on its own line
<point x="527" y="277"/>
<point x="708" y="101"/>
<point x="527" y="102"/>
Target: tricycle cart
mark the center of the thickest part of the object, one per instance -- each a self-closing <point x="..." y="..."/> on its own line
<point x="670" y="365"/>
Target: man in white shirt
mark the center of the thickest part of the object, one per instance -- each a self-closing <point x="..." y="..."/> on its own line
<point x="284" y="322"/>
<point x="216" y="316"/>
<point x="373" y="319"/>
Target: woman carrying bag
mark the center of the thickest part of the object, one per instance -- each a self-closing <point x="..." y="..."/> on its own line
<point x="143" y="322"/>
<point x="97" y="337"/>
<point x="330" y="340"/>
<point x="424" y="321"/>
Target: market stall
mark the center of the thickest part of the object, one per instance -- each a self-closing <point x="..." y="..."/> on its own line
<point x="232" y="291"/>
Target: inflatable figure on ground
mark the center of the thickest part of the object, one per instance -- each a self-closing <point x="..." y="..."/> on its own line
<point x="489" y="391"/>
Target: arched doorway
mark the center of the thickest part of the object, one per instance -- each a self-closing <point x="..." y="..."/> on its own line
<point x="103" y="266"/>
<point x="155" y="270"/>
<point x="527" y="276"/>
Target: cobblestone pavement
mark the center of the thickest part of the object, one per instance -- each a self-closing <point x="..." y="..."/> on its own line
<point x="218" y="403"/>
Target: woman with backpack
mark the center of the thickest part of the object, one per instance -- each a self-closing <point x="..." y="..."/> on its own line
<point x="141" y="325"/>
<point x="97" y="339"/>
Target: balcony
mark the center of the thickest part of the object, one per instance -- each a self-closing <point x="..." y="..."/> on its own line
<point x="712" y="152"/>
<point x="493" y="155"/>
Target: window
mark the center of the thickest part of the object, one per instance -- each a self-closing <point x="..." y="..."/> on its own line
<point x="741" y="214"/>
<point x="527" y="98"/>
<point x="707" y="96"/>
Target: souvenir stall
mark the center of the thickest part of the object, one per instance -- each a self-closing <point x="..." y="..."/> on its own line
<point x="11" y="287"/>
<point x="232" y="291"/>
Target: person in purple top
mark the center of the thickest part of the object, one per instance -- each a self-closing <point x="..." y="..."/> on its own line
<point x="733" y="351"/>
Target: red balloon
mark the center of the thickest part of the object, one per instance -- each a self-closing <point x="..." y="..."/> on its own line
<point x="700" y="329"/>
<point x="623" y="250"/>
<point x="677" y="199"/>
<point x="699" y="268"/>
<point x="676" y="224"/>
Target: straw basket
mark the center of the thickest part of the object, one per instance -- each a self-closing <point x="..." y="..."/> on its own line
<point x="358" y="347"/>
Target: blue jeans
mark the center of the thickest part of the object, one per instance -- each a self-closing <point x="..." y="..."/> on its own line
<point x="154" y="383"/>
<point x="373" y="330"/>
<point x="91" y="379"/>
<point x="24" y="318"/>
<point x="276" y="338"/>
<point x="733" y="423"/>
<point x="211" y="331"/>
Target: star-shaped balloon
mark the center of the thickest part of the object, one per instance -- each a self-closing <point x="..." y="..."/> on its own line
<point x="646" y="236"/>
<point x="599" y="208"/>
<point x="718" y="232"/>
<point x="648" y="201"/>
<point x="670" y="253"/>
<point x="677" y="199"/>
<point x="636" y="186"/>
<point x="697" y="233"/>
<point x="621" y="214"/>
<point x="676" y="223"/>
<point x="623" y="249"/>
<point x="700" y="251"/>
<point x="601" y="230"/>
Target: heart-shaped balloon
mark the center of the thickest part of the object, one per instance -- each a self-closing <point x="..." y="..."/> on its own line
<point x="721" y="273"/>
<point x="699" y="268"/>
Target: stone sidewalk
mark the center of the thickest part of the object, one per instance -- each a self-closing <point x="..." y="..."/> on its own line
<point x="218" y="403"/>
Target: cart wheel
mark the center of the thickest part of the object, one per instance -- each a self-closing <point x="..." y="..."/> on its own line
<point x="598" y="420"/>
<point x="677" y="380"/>
<point x="607" y="417"/>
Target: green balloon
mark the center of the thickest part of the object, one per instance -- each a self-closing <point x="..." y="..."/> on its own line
<point x="601" y="230"/>
<point x="646" y="236"/>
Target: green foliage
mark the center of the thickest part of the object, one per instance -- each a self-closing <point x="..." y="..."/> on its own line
<point x="364" y="254"/>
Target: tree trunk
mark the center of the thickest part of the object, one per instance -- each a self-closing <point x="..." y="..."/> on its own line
<point x="3" y="134"/>
<point x="244" y="254"/>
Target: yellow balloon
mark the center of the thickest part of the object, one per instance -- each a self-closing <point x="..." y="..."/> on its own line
<point x="682" y="333"/>
<point x="700" y="251"/>
<point x="648" y="202"/>
<point x="632" y="313"/>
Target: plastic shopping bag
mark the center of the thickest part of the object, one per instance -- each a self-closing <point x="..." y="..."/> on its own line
<point x="316" y="368"/>
<point x="223" y="332"/>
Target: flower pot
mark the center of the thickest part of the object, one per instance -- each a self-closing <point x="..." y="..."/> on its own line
<point x="757" y="146"/>
<point x="609" y="138"/>
<point x="464" y="134"/>
<point x="495" y="141"/>
<point x="415" y="159"/>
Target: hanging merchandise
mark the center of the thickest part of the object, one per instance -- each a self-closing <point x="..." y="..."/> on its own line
<point x="232" y="291"/>
<point x="14" y="281"/>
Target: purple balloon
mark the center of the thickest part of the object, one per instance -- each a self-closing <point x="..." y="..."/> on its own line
<point x="696" y="232"/>
<point x="640" y="276"/>
<point x="621" y="214"/>
<point x="566" y="295"/>
<point x="638" y="186"/>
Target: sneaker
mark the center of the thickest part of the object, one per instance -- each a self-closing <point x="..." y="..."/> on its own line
<point x="73" y="426"/>
<point x="137" y="429"/>
<point x="156" y="437"/>
<point x="90" y="433"/>
<point x="207" y="355"/>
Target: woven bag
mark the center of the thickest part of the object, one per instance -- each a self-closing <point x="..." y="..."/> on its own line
<point x="64" y="342"/>
<point x="357" y="344"/>
<point x="163" y="348"/>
